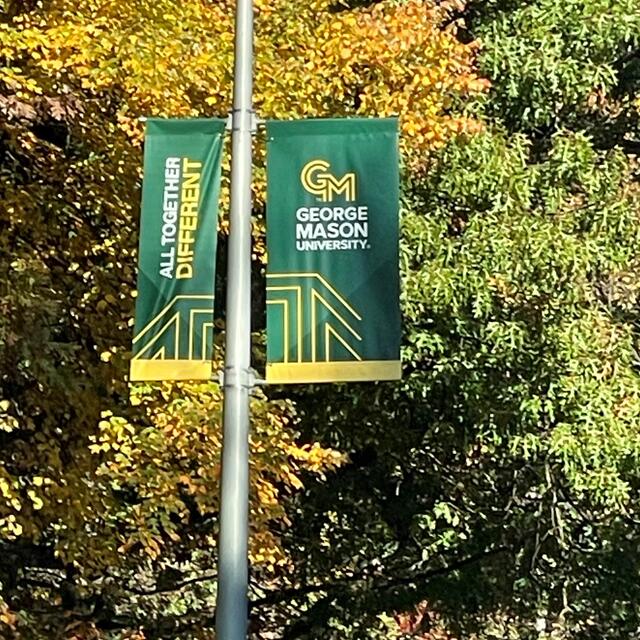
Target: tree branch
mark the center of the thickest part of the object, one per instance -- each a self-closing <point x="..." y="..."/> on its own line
<point x="182" y="623"/>
<point x="174" y="587"/>
<point x="281" y="595"/>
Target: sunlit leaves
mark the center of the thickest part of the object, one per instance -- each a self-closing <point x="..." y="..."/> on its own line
<point x="119" y="482"/>
<point x="555" y="64"/>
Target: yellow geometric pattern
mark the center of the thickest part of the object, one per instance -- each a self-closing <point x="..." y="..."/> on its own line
<point x="331" y="321"/>
<point x="320" y="338"/>
<point x="176" y="343"/>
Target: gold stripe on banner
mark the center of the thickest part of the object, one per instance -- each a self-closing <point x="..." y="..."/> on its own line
<point x="350" y="371"/>
<point x="148" y="370"/>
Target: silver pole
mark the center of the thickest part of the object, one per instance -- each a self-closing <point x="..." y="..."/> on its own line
<point x="233" y="571"/>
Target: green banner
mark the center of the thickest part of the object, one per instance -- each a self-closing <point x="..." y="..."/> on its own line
<point x="332" y="239"/>
<point x="173" y="334"/>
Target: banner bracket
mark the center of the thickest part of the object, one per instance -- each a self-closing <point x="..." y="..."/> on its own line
<point x="240" y="378"/>
<point x="254" y="121"/>
<point x="257" y="380"/>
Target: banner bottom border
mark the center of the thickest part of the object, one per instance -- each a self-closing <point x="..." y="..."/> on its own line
<point x="157" y="370"/>
<point x="337" y="371"/>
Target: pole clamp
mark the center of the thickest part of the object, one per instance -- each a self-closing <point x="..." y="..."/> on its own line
<point x="233" y="378"/>
<point x="254" y="121"/>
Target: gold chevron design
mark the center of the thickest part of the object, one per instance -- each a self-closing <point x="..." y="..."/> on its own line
<point x="313" y="274"/>
<point x="297" y="289"/>
<point x="285" y="335"/>
<point x="312" y="295"/>
<point x="206" y="326"/>
<point x="159" y="315"/>
<point x="193" y="326"/>
<point x="317" y="298"/>
<point x="173" y="322"/>
<point x="329" y="332"/>
<point x="162" y="355"/>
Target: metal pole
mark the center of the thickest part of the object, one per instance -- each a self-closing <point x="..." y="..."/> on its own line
<point x="233" y="571"/>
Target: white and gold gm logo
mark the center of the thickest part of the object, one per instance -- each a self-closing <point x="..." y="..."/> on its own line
<point x="318" y="180"/>
<point x="329" y="225"/>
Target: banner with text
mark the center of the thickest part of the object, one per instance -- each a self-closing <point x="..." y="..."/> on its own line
<point x="173" y="335"/>
<point x="332" y="238"/>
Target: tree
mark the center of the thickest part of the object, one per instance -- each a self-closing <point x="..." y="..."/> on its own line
<point x="109" y="497"/>
<point x="497" y="484"/>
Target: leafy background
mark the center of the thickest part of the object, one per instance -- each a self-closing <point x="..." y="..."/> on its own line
<point x="493" y="492"/>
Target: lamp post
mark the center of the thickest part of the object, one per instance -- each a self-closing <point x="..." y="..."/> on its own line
<point x="233" y="571"/>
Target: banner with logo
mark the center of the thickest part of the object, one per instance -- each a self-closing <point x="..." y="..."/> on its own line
<point x="173" y="333"/>
<point x="332" y="239"/>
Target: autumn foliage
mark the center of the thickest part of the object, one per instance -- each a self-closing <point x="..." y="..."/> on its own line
<point x="100" y="482"/>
